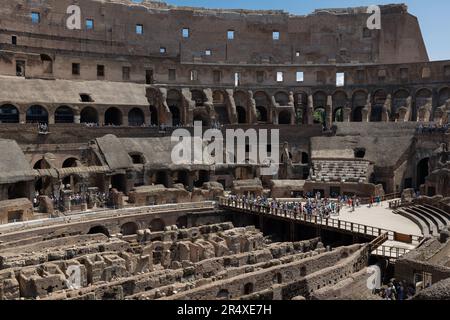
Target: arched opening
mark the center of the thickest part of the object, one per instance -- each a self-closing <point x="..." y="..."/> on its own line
<point x="176" y="117"/>
<point x="203" y="176"/>
<point x="444" y="95"/>
<point x="9" y="114"/>
<point x="137" y="158"/>
<point x="175" y="105"/>
<point x="241" y="114"/>
<point x="162" y="177"/>
<point x="305" y="158"/>
<point x="220" y="107"/>
<point x="379" y="99"/>
<point x="248" y="288"/>
<point x="218" y="97"/>
<point x="359" y="102"/>
<point x="154" y="116"/>
<point x="47" y="64"/>
<point x="129" y="229"/>
<point x="360" y="153"/>
<point x="339" y="115"/>
<point x="284" y="117"/>
<point x="223" y="294"/>
<point x="198" y="97"/>
<point x="37" y="114"/>
<point x="278" y="278"/>
<point x="340" y="100"/>
<point x="423" y="97"/>
<point x="422" y="171"/>
<point x="241" y="101"/>
<point x="399" y="101"/>
<point x="358" y="114"/>
<point x="64" y="114"/>
<point x="282" y="98"/>
<point x="182" y="222"/>
<point x="70" y="163"/>
<point x="183" y="178"/>
<point x="113" y="116"/>
<point x="89" y="115"/>
<point x="136" y="117"/>
<point x="157" y="225"/>
<point x="261" y="114"/>
<point x="301" y="103"/>
<point x="319" y="115"/>
<point x="118" y="182"/>
<point x="99" y="230"/>
<point x="41" y="164"/>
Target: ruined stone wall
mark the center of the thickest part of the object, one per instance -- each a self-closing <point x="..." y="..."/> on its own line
<point x="315" y="36"/>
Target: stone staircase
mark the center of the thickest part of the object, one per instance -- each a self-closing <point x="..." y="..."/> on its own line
<point x="429" y="219"/>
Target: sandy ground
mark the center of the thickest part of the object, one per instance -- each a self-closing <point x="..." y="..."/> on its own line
<point x="380" y="217"/>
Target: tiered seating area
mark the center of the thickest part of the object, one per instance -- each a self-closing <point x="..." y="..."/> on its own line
<point x="430" y="219"/>
<point x="340" y="170"/>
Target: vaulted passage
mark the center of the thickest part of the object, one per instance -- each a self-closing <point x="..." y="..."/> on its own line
<point x="64" y="114"/>
<point x="136" y="117"/>
<point x="113" y="116"/>
<point x="37" y="114"/>
<point x="9" y="114"/>
<point x="89" y="115"/>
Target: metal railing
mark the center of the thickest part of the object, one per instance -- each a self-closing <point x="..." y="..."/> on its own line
<point x="390" y="252"/>
<point x="317" y="220"/>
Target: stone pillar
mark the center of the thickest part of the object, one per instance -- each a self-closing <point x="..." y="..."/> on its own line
<point x="310" y="109"/>
<point x="347" y="114"/>
<point x="329" y="112"/>
<point x="51" y="116"/>
<point x="387" y="109"/>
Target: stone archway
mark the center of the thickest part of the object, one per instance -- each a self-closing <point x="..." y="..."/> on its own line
<point x="64" y="114"/>
<point x="136" y="117"/>
<point x="9" y="114"/>
<point x="37" y="114"/>
<point x="113" y="116"/>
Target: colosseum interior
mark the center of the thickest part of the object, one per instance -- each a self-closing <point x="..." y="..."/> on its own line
<point x="93" y="207"/>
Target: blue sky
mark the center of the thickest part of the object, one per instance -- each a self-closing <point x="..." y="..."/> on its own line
<point x="433" y="15"/>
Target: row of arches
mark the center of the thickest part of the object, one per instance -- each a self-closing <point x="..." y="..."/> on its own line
<point x="65" y="114"/>
<point x="263" y="102"/>
<point x="131" y="228"/>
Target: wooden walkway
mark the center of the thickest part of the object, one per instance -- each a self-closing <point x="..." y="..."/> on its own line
<point x="352" y="228"/>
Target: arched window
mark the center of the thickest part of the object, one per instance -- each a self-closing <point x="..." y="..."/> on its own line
<point x="9" y="114"/>
<point x="379" y="99"/>
<point x="70" y="163"/>
<point x="136" y="117"/>
<point x="129" y="228"/>
<point x="282" y="98"/>
<point x="89" y="115"/>
<point x="64" y="114"/>
<point x="37" y="114"/>
<point x="113" y="116"/>
<point x="261" y="114"/>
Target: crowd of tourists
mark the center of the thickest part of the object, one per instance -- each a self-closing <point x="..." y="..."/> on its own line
<point x="98" y="199"/>
<point x="432" y="128"/>
<point x="309" y="205"/>
<point x="396" y="290"/>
